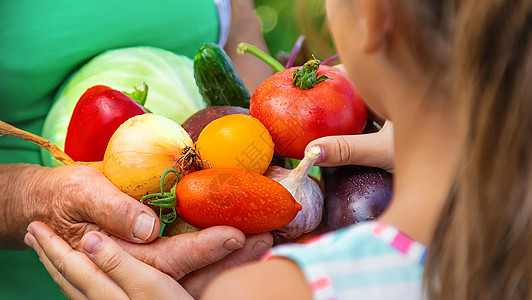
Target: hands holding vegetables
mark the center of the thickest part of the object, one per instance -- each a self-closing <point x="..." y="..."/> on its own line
<point x="64" y="197"/>
<point x="106" y="270"/>
<point x="162" y="253"/>
<point x="67" y="199"/>
<point x="77" y="199"/>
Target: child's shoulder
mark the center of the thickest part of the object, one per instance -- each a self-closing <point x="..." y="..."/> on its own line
<point x="363" y="239"/>
<point x="369" y="257"/>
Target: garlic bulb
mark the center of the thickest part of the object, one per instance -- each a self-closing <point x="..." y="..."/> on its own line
<point x="306" y="192"/>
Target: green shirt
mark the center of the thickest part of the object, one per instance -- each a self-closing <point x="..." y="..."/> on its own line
<point x="41" y="43"/>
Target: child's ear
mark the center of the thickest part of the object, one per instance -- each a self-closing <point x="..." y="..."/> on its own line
<point x="378" y="18"/>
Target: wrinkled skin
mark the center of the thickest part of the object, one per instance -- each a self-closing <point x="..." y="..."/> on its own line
<point x="192" y="270"/>
<point x="66" y="198"/>
<point x="71" y="221"/>
<point x="189" y="262"/>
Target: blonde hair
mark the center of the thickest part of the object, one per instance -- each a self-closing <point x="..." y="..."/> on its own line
<point x="482" y="246"/>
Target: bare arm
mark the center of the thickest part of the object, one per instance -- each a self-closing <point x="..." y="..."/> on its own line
<point x="15" y="179"/>
<point x="277" y="278"/>
<point x="66" y="199"/>
<point x="245" y="27"/>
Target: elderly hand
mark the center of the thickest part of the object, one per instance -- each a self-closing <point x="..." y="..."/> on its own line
<point x="107" y="270"/>
<point x="212" y="251"/>
<point x="72" y="200"/>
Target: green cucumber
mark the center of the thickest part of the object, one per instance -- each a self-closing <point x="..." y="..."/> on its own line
<point x="217" y="79"/>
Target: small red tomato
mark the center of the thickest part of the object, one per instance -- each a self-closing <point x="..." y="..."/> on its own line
<point x="235" y="197"/>
<point x="329" y="105"/>
<point x="96" y="116"/>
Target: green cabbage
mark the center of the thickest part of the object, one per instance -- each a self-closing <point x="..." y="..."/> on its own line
<point x="172" y="90"/>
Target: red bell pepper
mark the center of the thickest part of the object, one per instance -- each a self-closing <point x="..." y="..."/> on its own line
<point x="96" y="116"/>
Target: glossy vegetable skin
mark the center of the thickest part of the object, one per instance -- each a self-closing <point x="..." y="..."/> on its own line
<point x="296" y="116"/>
<point x="236" y="141"/>
<point x="216" y="78"/>
<point x="195" y="123"/>
<point x="172" y="90"/>
<point x="305" y="190"/>
<point x="96" y="116"/>
<point x="141" y="149"/>
<point x="248" y="201"/>
<point x="355" y="194"/>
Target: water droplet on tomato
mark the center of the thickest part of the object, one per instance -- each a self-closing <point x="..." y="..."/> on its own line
<point x="316" y="111"/>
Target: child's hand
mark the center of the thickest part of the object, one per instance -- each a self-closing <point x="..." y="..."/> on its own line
<point x="373" y="150"/>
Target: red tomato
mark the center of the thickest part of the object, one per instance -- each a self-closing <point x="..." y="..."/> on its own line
<point x="295" y="117"/>
<point x="246" y="200"/>
<point x="96" y="116"/>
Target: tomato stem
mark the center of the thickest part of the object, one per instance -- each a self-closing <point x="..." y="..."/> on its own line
<point x="164" y="200"/>
<point x="272" y="62"/>
<point x="306" y="77"/>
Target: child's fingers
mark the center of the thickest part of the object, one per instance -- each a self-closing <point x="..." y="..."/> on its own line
<point x="373" y="150"/>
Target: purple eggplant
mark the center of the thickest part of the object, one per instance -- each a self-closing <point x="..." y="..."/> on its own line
<point x="355" y="194"/>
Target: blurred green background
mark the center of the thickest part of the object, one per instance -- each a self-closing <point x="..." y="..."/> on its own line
<point x="283" y="21"/>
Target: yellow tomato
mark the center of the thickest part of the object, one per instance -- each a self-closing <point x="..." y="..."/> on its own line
<point x="236" y="141"/>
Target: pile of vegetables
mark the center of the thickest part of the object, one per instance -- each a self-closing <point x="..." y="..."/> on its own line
<point x="218" y="166"/>
<point x="97" y="115"/>
<point x="170" y="78"/>
<point x="228" y="196"/>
